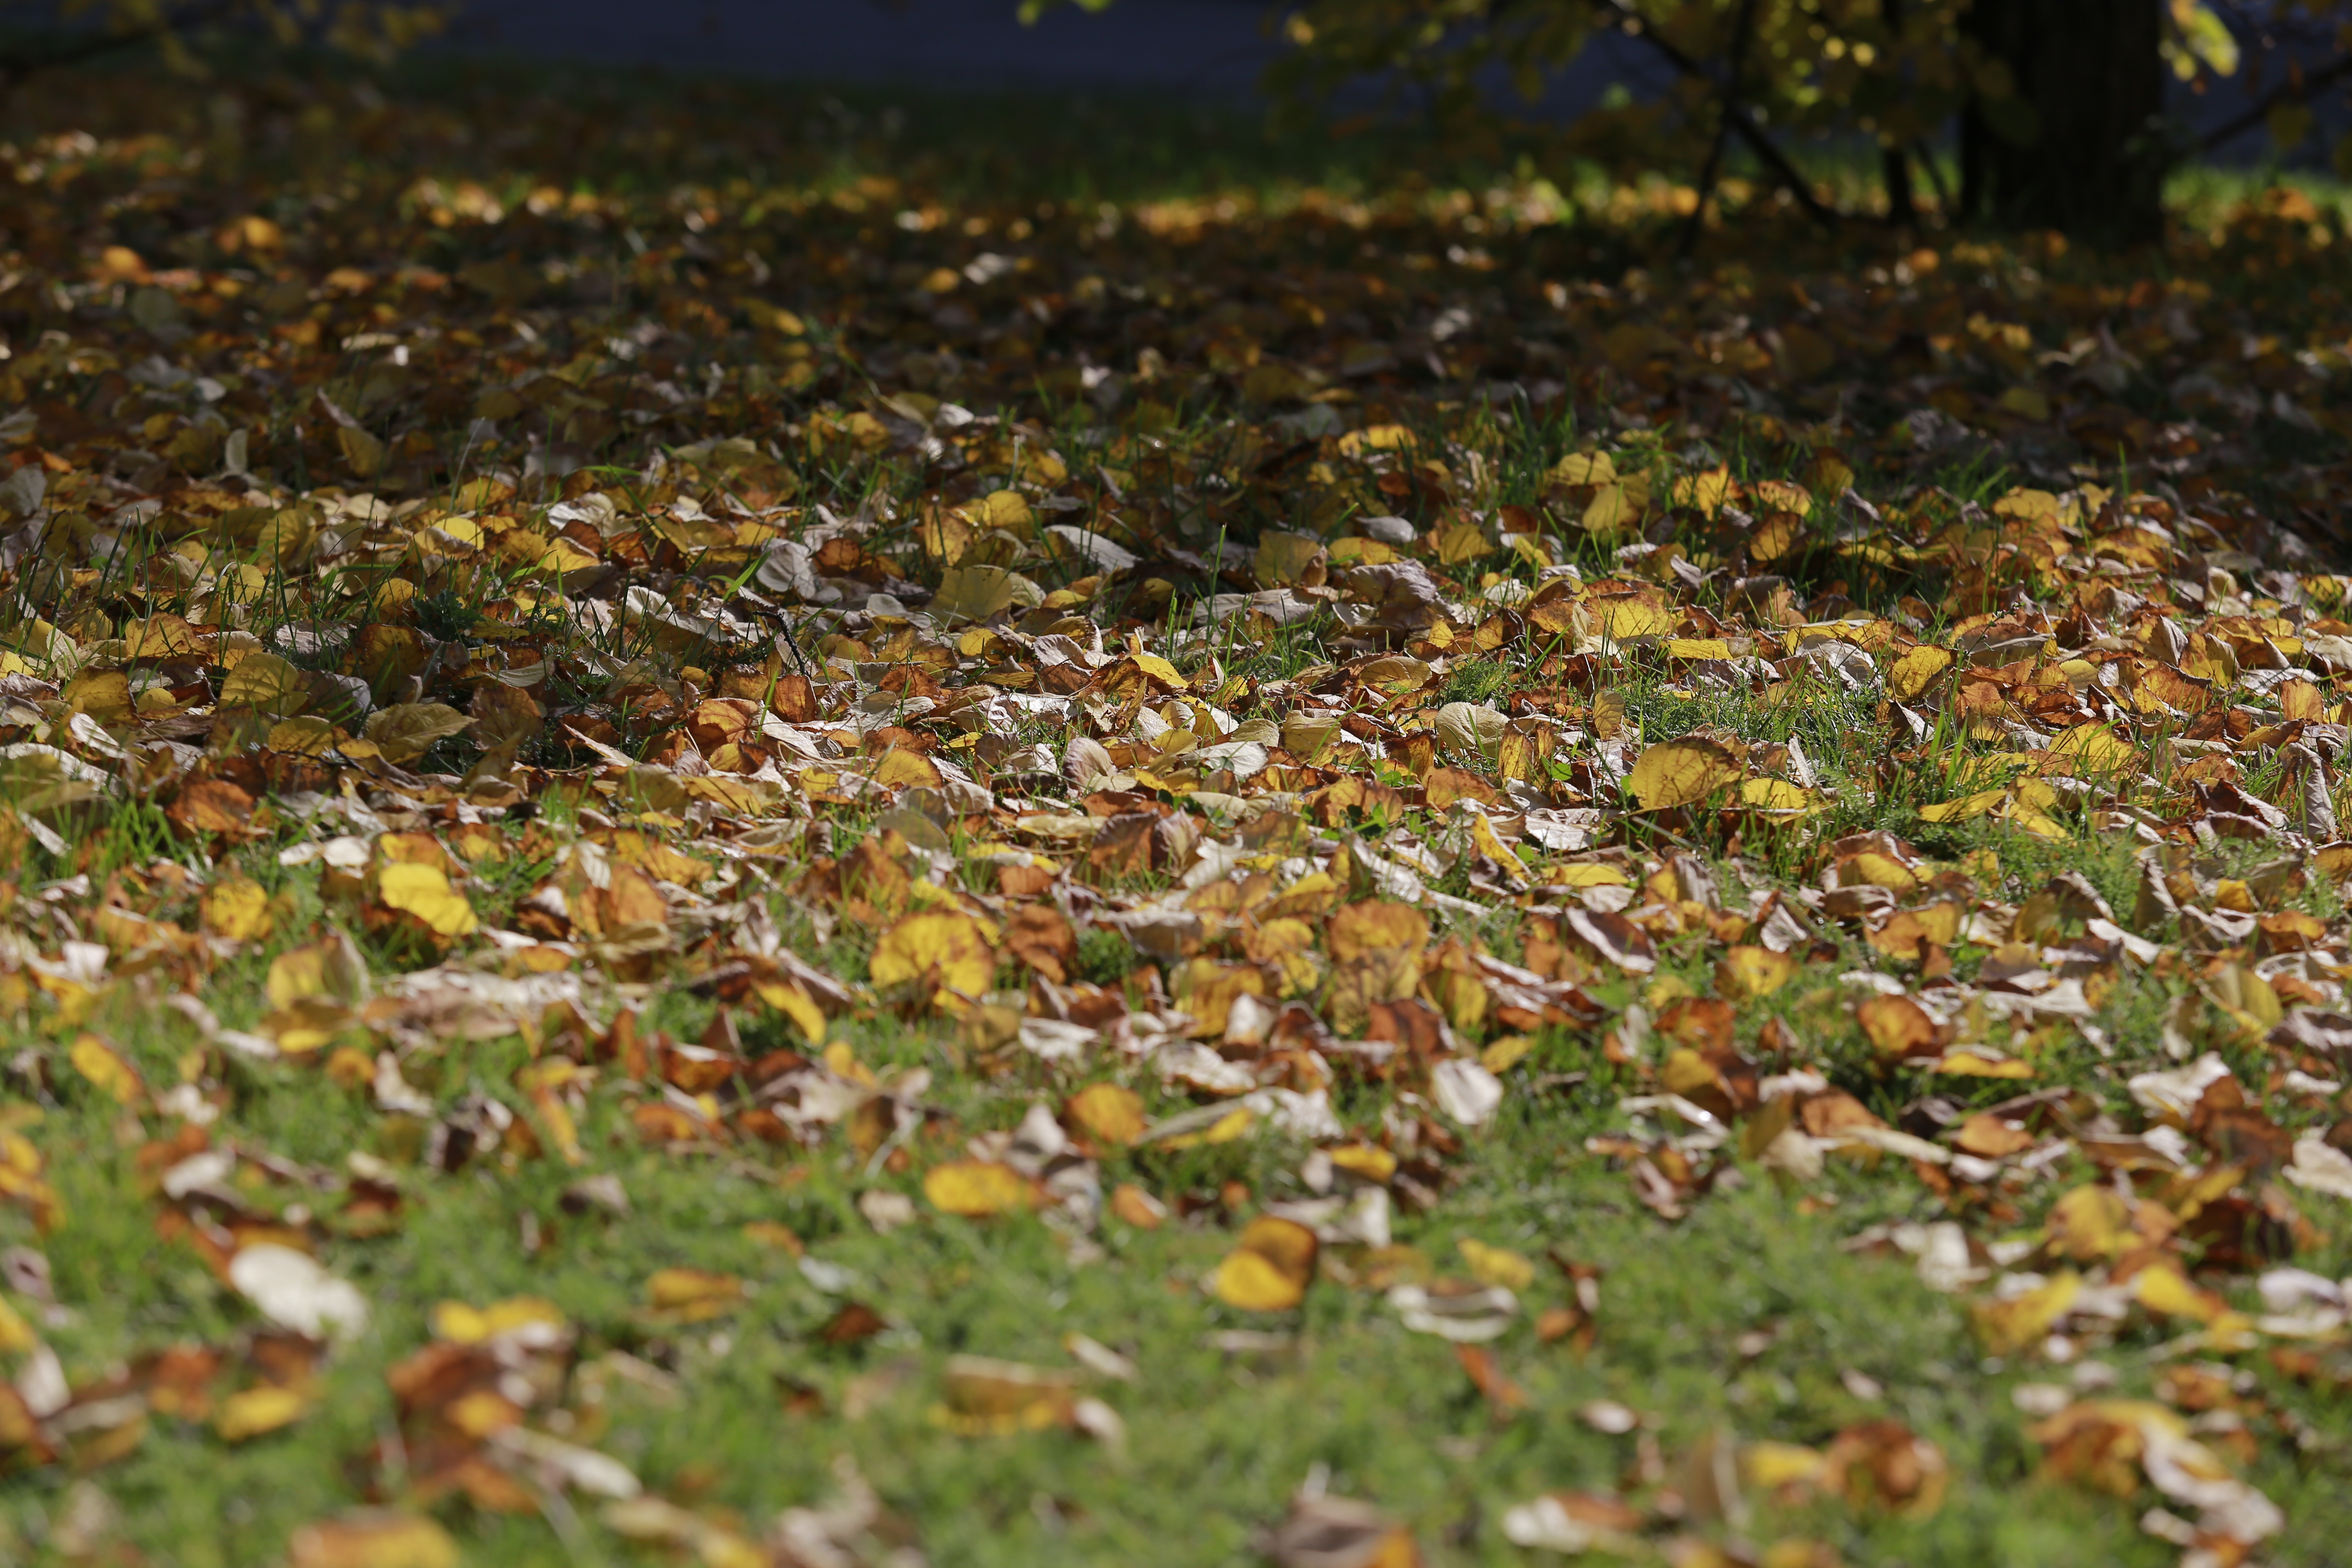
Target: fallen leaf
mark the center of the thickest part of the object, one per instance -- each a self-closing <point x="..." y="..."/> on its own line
<point x="1269" y="1268"/>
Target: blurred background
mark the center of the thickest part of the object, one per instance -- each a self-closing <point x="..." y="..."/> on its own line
<point x="1213" y="48"/>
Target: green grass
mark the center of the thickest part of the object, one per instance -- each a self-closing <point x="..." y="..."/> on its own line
<point x="1216" y="1439"/>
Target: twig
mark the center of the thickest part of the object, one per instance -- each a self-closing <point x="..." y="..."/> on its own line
<point x="2285" y="92"/>
<point x="1628" y="22"/>
<point x="1740" y="33"/>
<point x="90" y="45"/>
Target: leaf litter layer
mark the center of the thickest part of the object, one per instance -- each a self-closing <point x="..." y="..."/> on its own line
<point x="721" y="851"/>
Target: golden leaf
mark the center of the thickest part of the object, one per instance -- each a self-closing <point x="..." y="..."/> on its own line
<point x="1774" y="795"/>
<point x="1968" y="808"/>
<point x="1746" y="973"/>
<point x="944" y="949"/>
<point x="103" y="694"/>
<point x="2095" y="748"/>
<point x="976" y="1188"/>
<point x="237" y="911"/>
<point x="2021" y="1321"/>
<point x="406" y="730"/>
<point x="250" y="1412"/>
<point x="792" y="1000"/>
<point x="692" y="1295"/>
<point x="424" y="891"/>
<point x="1107" y="1113"/>
<point x="1897" y="1027"/>
<point x="1496" y="1264"/>
<point x="106" y="1070"/>
<point x="1624" y="618"/>
<point x="1915" y="671"/>
<point x="1361" y="928"/>
<point x="1681" y="772"/>
<point x="267" y="684"/>
<point x="373" y="1538"/>
<point x="1270" y="1268"/>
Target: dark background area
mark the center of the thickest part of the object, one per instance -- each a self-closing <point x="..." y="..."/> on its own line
<point x="1178" y="47"/>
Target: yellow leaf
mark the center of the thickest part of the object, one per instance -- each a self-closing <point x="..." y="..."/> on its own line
<point x="103" y="1066"/>
<point x="693" y="1295"/>
<point x="1968" y="808"/>
<point x="792" y="1000"/>
<point x="1626" y="618"/>
<point x="1774" y="795"/>
<point x="976" y="593"/>
<point x="1369" y="1160"/>
<point x="1897" y="1026"/>
<point x="985" y="1396"/>
<point x="1284" y="559"/>
<point x="1159" y="669"/>
<point x="424" y="891"/>
<point x="945" y="949"/>
<point x="1915" y="671"/>
<point x="1271" y="1267"/>
<point x="905" y="770"/>
<point x="406" y="730"/>
<point x="237" y="910"/>
<point x="1496" y="1264"/>
<point x="1233" y="1125"/>
<point x="1108" y="1114"/>
<point x="1375" y="926"/>
<point x="17" y="1336"/>
<point x="1681" y="772"/>
<point x="364" y="452"/>
<point x="1585" y="468"/>
<point x="2026" y="403"/>
<point x="1975" y="1064"/>
<point x="2096" y="747"/>
<point x="329" y="968"/>
<point x="1780" y="536"/>
<point x="103" y="694"/>
<point x="307" y="737"/>
<point x="464" y="1324"/>
<point x="975" y="1188"/>
<point x="1747" y="973"/>
<point x="1706" y="492"/>
<point x="1003" y="509"/>
<point x="2021" y="1322"/>
<point x="1697" y="647"/>
<point x="373" y="1539"/>
<point x="251" y="1412"/>
<point x="1769" y="1467"/>
<point x="2032" y="820"/>
<point x="267" y="684"/>
<point x="1870" y="868"/>
<point x="1606" y="512"/>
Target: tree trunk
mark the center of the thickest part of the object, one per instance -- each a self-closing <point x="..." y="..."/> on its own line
<point x="2080" y="146"/>
<point x="1902" y="205"/>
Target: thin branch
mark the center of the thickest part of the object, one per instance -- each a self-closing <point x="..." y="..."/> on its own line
<point x="1626" y="21"/>
<point x="1926" y="157"/>
<point x="98" y="41"/>
<point x="2285" y="92"/>
<point x="1740" y="33"/>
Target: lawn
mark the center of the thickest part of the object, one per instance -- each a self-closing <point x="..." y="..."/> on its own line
<point x="760" y="826"/>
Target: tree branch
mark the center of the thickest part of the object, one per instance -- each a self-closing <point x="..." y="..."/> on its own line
<point x="1623" y="17"/>
<point x="95" y="42"/>
<point x="1740" y="36"/>
<point x="2285" y="92"/>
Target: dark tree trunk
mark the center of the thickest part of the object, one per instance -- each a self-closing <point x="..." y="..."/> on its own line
<point x="1902" y="206"/>
<point x="1894" y="158"/>
<point x="2080" y="146"/>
